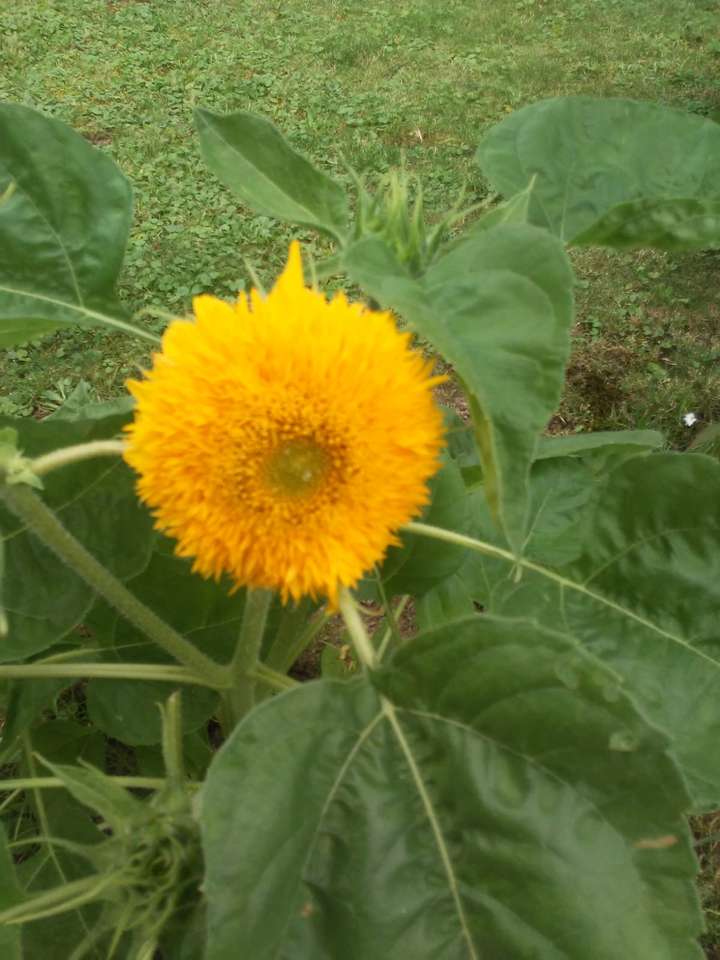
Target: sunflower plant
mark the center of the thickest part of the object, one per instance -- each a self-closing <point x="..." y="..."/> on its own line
<point x="516" y="705"/>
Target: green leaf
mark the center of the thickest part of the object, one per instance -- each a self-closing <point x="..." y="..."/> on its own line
<point x="499" y="309"/>
<point x="642" y="594"/>
<point x="419" y="564"/>
<point x="604" y="445"/>
<point x="63" y="230"/>
<point x="98" y="793"/>
<point x="96" y="501"/>
<point x="514" y="210"/>
<point x="202" y="610"/>
<point x="674" y="224"/>
<point x="56" y="937"/>
<point x="251" y="157"/>
<point x="589" y="154"/>
<point x="508" y="802"/>
<point x="10" y="895"/>
<point x="128" y="710"/>
<point x="26" y="701"/>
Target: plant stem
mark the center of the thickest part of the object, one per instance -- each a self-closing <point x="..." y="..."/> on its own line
<point x="240" y="698"/>
<point x="25" y="503"/>
<point x="272" y="678"/>
<point x="79" y="451"/>
<point x="172" y="747"/>
<point x="356" y="629"/>
<point x="126" y="671"/>
<point x="52" y="783"/>
<point x="449" y="536"/>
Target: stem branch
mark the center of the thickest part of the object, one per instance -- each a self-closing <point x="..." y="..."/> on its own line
<point x="75" y="453"/>
<point x="107" y="671"/>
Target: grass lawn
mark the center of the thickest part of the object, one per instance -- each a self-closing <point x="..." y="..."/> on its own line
<point x="366" y="83"/>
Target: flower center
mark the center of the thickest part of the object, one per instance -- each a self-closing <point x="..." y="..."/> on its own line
<point x="297" y="467"/>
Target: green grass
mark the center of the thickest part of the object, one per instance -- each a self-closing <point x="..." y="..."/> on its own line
<point x="366" y="84"/>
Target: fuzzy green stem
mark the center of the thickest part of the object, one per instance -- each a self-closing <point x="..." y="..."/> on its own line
<point x="107" y="671"/>
<point x="356" y="629"/>
<point x="25" y="503"/>
<point x="240" y="699"/>
<point x="79" y="451"/>
<point x="53" y="783"/>
<point x="449" y="536"/>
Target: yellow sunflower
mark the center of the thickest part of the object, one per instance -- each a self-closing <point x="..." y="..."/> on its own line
<point x="283" y="439"/>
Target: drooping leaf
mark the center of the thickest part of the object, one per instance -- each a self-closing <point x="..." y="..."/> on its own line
<point x="666" y="224"/>
<point x="63" y="229"/>
<point x="499" y="309"/>
<point x="96" y="501"/>
<point x="604" y="445"/>
<point x="253" y="159"/>
<point x="458" y="819"/>
<point x="589" y="155"/>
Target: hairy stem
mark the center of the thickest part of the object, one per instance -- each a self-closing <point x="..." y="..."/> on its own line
<point x="26" y="504"/>
<point x="240" y="698"/>
<point x="356" y="629"/>
<point x="53" y="783"/>
<point x="114" y="671"/>
<point x="79" y="451"/>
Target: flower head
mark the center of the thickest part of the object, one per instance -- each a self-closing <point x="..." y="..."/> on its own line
<point x="284" y="439"/>
<point x="690" y="419"/>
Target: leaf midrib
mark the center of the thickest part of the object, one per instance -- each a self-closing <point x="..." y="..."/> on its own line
<point x="102" y="318"/>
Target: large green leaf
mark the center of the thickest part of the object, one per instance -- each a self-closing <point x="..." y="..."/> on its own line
<point x="642" y="593"/>
<point x="96" y="500"/>
<point x="63" y="229"/>
<point x="590" y="155"/>
<point x="499" y="309"/>
<point x="253" y="159"/>
<point x="506" y="800"/>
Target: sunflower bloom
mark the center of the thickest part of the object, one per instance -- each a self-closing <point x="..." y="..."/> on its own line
<point x="283" y="439"/>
